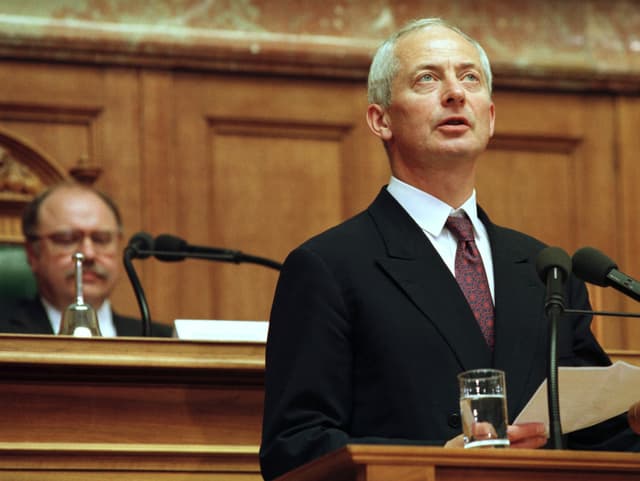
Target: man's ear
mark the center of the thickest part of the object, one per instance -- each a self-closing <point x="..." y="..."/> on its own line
<point x="31" y="252"/>
<point x="492" y="119"/>
<point x="378" y="121"/>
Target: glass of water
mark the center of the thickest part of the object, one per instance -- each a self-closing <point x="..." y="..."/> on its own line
<point x="483" y="408"/>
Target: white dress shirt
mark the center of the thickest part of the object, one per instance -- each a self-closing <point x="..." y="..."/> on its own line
<point x="431" y="215"/>
<point x="105" y="318"/>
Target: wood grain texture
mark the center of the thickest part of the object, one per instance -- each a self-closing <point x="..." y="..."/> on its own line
<point x="255" y="158"/>
<point x="417" y="463"/>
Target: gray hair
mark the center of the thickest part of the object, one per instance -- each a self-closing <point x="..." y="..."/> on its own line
<point x="384" y="65"/>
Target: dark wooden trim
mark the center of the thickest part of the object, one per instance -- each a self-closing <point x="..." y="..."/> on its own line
<point x="273" y="54"/>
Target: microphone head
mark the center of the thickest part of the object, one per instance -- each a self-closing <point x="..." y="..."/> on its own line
<point x="550" y="257"/>
<point x="141" y="241"/>
<point x="169" y="248"/>
<point x="592" y="266"/>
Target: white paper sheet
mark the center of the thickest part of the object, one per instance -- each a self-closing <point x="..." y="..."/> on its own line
<point x="587" y="395"/>
<point x="221" y="330"/>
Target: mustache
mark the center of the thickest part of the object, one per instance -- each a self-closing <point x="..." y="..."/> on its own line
<point x="95" y="269"/>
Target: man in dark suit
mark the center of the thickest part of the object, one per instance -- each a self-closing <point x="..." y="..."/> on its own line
<point x="29" y="316"/>
<point x="60" y="221"/>
<point x="369" y="325"/>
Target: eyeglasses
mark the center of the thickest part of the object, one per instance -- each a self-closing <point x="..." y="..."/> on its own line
<point x="69" y="240"/>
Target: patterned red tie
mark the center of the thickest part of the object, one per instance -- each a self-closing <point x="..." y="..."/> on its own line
<point x="471" y="275"/>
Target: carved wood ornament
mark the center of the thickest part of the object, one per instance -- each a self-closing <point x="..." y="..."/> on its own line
<point x="24" y="173"/>
<point x="17" y="181"/>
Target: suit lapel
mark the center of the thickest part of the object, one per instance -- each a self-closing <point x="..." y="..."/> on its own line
<point x="417" y="269"/>
<point x="31" y="317"/>
<point x="519" y="303"/>
<point x="125" y="326"/>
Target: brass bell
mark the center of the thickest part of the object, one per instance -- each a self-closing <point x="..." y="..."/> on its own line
<point x="79" y="319"/>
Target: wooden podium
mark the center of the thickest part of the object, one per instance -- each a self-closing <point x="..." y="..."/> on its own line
<point x="167" y="410"/>
<point x="129" y="408"/>
<point x="418" y="463"/>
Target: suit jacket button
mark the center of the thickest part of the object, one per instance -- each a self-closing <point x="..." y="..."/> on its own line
<point x="454" y="420"/>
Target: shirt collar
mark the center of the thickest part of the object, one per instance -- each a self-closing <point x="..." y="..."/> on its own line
<point x="55" y="316"/>
<point x="429" y="212"/>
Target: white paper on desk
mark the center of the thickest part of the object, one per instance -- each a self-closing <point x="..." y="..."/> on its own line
<point x="221" y="330"/>
<point x="587" y="396"/>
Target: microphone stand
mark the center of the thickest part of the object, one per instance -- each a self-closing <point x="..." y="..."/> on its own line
<point x="554" y="308"/>
<point x="236" y="257"/>
<point x="259" y="260"/>
<point x="137" y="289"/>
<point x="223" y="255"/>
<point x="552" y="374"/>
<point x="602" y="313"/>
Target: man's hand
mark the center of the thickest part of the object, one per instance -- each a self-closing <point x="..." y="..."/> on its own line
<point x="523" y="436"/>
<point x="527" y="435"/>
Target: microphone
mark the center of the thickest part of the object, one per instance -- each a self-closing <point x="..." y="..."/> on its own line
<point x="170" y="248"/>
<point x="554" y="266"/>
<point x="594" y="267"/>
<point x="140" y="245"/>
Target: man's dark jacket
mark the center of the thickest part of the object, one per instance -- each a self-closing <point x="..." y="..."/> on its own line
<point x="369" y="330"/>
<point x="28" y="316"/>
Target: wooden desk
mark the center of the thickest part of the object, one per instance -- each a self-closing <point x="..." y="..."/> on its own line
<point x="418" y="463"/>
<point x="138" y="404"/>
<point x="162" y="409"/>
<point x="632" y="357"/>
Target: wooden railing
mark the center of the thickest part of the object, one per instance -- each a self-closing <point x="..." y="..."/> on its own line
<point x="167" y="409"/>
<point x="129" y="408"/>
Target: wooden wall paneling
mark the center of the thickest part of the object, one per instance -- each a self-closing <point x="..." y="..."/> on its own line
<point x="189" y="280"/>
<point x="255" y="162"/>
<point x="549" y="156"/>
<point x="236" y="161"/>
<point x="47" y="125"/>
<point x="55" y="108"/>
<point x="48" y="83"/>
<point x="549" y="153"/>
<point x="265" y="163"/>
<point x="597" y="182"/>
<point x="628" y="205"/>
<point x="117" y="142"/>
<point x="77" y="112"/>
<point x="73" y="112"/>
<point x="118" y="152"/>
<point x="366" y="167"/>
<point x="160" y="209"/>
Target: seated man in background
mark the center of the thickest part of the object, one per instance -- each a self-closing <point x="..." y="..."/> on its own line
<point x="62" y="220"/>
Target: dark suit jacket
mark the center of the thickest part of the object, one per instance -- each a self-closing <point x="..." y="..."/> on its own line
<point x="369" y="330"/>
<point x="28" y="316"/>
